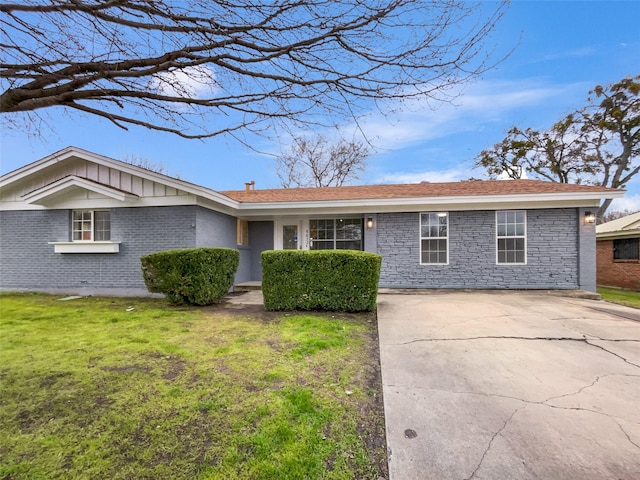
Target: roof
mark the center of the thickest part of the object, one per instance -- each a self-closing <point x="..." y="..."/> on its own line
<point x="412" y="190"/>
<point x="626" y="226"/>
<point x="270" y="203"/>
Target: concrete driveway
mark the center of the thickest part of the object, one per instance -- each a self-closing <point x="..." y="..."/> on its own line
<point x="488" y="385"/>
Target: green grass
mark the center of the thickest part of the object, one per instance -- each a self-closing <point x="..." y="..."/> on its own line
<point x="622" y="297"/>
<point x="91" y="390"/>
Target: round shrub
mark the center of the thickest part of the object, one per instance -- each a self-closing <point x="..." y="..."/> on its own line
<point x="196" y="276"/>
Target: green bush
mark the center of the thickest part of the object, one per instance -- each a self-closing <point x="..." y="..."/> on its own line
<point x="334" y="280"/>
<point x="197" y="276"/>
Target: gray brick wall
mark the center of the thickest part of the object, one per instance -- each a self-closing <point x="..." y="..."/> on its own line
<point x="215" y="229"/>
<point x="27" y="261"/>
<point x="552" y="252"/>
<point x="560" y="250"/>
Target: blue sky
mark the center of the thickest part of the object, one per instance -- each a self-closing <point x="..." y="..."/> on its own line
<point x="562" y="50"/>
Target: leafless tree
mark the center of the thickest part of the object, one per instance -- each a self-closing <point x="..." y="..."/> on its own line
<point x="143" y="162"/>
<point x="616" y="214"/>
<point x="199" y="68"/>
<point x="315" y="162"/>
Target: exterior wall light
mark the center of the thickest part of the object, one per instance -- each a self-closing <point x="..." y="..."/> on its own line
<point x="370" y="222"/>
<point x="589" y="217"/>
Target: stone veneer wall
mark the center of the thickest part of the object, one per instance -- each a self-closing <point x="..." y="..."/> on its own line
<point x="552" y="252"/>
<point x="28" y="262"/>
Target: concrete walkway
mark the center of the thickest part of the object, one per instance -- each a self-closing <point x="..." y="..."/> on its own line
<point x="520" y="386"/>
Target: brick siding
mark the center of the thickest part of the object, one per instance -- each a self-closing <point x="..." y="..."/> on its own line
<point x="552" y="252"/>
<point x="619" y="273"/>
<point x="29" y="262"/>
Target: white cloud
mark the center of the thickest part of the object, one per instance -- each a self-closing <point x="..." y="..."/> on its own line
<point x="577" y="53"/>
<point x="189" y="82"/>
<point x="630" y="203"/>
<point x="433" y="176"/>
<point x="483" y="103"/>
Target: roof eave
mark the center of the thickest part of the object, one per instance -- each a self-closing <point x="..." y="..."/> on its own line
<point x="618" y="234"/>
<point x="42" y="195"/>
<point x="573" y="199"/>
<point x="70" y="152"/>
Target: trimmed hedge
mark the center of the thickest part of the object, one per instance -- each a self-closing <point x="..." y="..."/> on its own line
<point x="334" y="280"/>
<point x="196" y="276"/>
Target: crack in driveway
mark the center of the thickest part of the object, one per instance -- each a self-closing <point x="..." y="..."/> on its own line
<point x="535" y="402"/>
<point x="586" y="340"/>
<point x="628" y="437"/>
<point x="591" y="385"/>
<point x="486" y="451"/>
<point x="544" y="403"/>
<point x="549" y="339"/>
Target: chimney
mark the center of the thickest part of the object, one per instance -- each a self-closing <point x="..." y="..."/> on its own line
<point x="248" y="186"/>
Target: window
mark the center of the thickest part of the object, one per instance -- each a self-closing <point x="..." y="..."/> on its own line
<point x="336" y="234"/>
<point x="626" y="249"/>
<point x="243" y="232"/>
<point x="434" y="235"/>
<point x="91" y="225"/>
<point x="511" y="236"/>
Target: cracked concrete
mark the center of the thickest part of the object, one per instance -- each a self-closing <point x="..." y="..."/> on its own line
<point x="510" y="386"/>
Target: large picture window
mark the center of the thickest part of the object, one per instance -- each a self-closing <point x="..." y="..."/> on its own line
<point x="511" y="236"/>
<point x="626" y="249"/>
<point x="434" y="238"/>
<point x="336" y="234"/>
<point x="91" y="225"/>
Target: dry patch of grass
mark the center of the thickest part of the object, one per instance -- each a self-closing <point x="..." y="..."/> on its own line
<point x="124" y="388"/>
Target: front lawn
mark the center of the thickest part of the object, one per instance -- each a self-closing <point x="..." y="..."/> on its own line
<point x="623" y="297"/>
<point x="134" y="388"/>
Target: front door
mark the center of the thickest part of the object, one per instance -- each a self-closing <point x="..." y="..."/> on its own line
<point x="290" y="237"/>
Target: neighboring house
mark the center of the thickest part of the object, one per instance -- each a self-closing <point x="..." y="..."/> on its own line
<point x="79" y="222"/>
<point x="618" y="252"/>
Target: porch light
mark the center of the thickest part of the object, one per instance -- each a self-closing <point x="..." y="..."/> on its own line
<point x="370" y="222"/>
<point x="589" y="217"/>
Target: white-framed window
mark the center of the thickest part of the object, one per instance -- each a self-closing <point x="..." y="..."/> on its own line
<point x="511" y="237"/>
<point x="434" y="238"/>
<point x="336" y="234"/>
<point x="91" y="225"/>
<point x="243" y="232"/>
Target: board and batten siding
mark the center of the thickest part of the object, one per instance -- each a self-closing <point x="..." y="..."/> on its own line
<point x="102" y="174"/>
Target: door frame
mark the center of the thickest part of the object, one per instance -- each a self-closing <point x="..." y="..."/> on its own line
<point x="303" y="232"/>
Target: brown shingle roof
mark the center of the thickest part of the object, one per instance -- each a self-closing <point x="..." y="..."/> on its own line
<point x="412" y="190"/>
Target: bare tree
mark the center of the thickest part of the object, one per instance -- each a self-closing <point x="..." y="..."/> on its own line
<point x="598" y="144"/>
<point x="616" y="214"/>
<point x="199" y="68"/>
<point x="315" y="162"/>
<point x="143" y="162"/>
